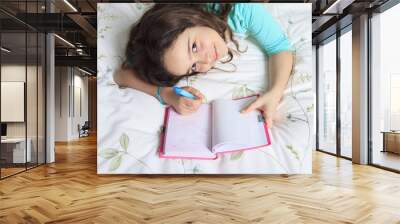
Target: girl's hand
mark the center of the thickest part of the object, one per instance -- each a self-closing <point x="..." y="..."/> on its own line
<point x="268" y="104"/>
<point x="183" y="105"/>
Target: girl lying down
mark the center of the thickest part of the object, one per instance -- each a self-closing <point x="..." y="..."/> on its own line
<point x="174" y="41"/>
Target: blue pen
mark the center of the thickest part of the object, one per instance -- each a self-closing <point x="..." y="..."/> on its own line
<point x="181" y="92"/>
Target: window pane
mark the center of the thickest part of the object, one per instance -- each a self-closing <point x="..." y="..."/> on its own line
<point x="327" y="97"/>
<point x="394" y="101"/>
<point x="346" y="93"/>
<point x="386" y="89"/>
<point x="13" y="87"/>
<point x="41" y="98"/>
<point x="31" y="97"/>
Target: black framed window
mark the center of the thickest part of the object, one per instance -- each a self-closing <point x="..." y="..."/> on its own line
<point x="22" y="66"/>
<point x="334" y="94"/>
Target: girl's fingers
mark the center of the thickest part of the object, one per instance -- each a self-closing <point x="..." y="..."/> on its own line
<point x="186" y="110"/>
<point x="191" y="110"/>
<point x="190" y="105"/>
<point x="251" y="107"/>
<point x="195" y="92"/>
<point x="268" y="116"/>
<point x="187" y="103"/>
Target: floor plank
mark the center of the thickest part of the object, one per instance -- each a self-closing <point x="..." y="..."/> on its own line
<point x="70" y="191"/>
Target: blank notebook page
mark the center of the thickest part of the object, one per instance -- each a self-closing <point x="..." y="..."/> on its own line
<point x="233" y="130"/>
<point x="189" y="135"/>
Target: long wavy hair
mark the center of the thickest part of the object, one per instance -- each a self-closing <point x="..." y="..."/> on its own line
<point x="156" y="31"/>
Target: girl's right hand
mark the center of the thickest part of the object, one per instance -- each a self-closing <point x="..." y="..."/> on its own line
<point x="183" y="105"/>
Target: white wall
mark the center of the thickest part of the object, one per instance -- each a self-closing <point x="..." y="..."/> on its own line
<point x="61" y="103"/>
<point x="79" y="117"/>
<point x="69" y="82"/>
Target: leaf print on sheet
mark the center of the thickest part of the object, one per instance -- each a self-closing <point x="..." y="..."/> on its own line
<point x="294" y="152"/>
<point x="124" y="141"/>
<point x="190" y="81"/>
<point x="101" y="56"/>
<point x="139" y="6"/>
<point x="292" y="118"/>
<point x="100" y="8"/>
<point x="115" y="162"/>
<point x="236" y="155"/>
<point x="101" y="31"/>
<point x="241" y="91"/>
<point x="106" y="16"/>
<point x="304" y="117"/>
<point x="116" y="155"/>
<point x="108" y="153"/>
<point x="310" y="108"/>
<point x="302" y="78"/>
<point x="196" y="170"/>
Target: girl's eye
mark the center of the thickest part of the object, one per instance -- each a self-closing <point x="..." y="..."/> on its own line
<point x="194" y="47"/>
<point x="194" y="67"/>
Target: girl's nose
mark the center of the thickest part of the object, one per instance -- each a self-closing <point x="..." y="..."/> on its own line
<point x="206" y="64"/>
<point x="207" y="58"/>
<point x="205" y="61"/>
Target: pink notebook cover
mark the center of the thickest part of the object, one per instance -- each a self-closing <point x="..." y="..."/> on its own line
<point x="162" y="140"/>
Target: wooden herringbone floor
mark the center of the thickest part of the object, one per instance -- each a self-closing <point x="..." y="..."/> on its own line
<point x="70" y="191"/>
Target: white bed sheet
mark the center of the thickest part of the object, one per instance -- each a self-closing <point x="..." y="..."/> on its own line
<point x="129" y="121"/>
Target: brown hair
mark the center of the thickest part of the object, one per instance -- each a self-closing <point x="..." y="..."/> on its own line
<point x="156" y="31"/>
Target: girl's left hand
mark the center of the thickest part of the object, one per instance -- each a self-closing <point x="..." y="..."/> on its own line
<point x="268" y="104"/>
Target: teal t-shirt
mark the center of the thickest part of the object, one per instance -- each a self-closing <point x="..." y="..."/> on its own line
<point x="254" y="20"/>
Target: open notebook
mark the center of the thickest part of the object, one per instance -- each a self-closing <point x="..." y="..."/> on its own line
<point x="217" y="127"/>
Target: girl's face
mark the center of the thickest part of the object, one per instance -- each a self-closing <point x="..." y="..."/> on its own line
<point x="197" y="49"/>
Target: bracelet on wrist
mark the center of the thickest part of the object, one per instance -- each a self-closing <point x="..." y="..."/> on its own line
<point x="159" y="97"/>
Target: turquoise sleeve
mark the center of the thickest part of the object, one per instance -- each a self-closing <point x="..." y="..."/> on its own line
<point x="263" y="27"/>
